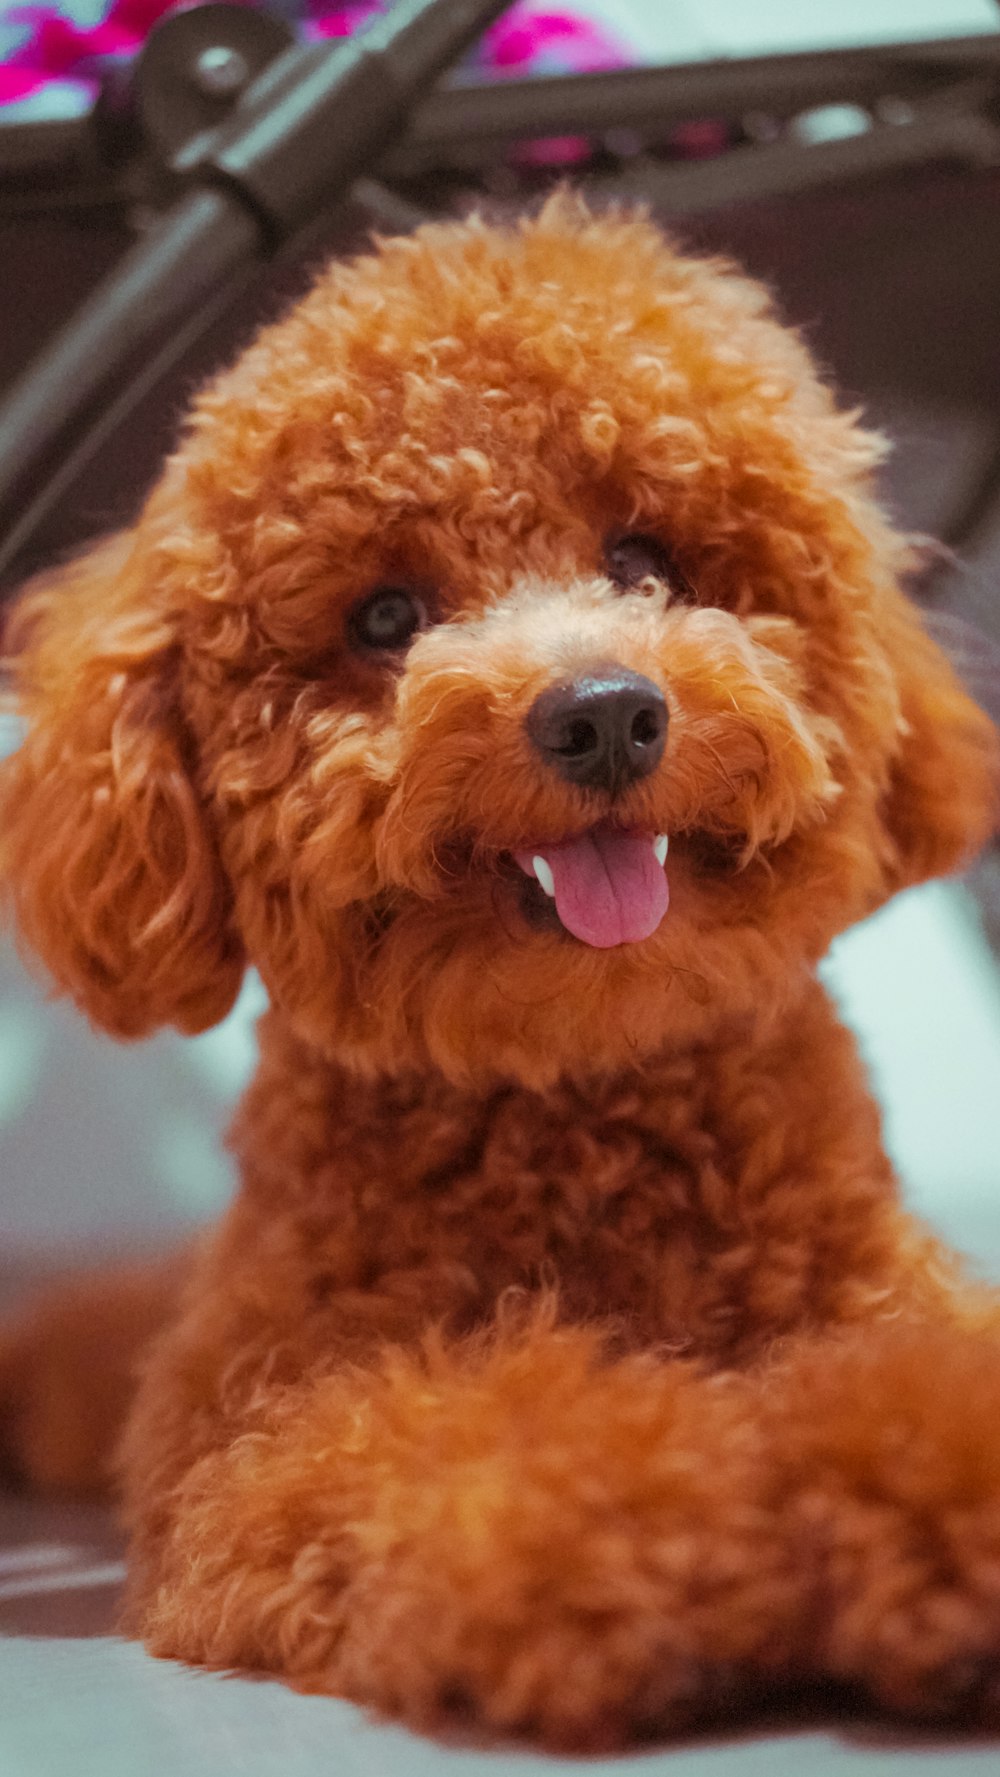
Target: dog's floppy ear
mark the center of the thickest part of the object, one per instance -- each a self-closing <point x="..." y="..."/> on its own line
<point x="943" y="801"/>
<point x="105" y="854"/>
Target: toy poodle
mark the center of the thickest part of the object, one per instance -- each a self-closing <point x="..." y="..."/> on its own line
<point x="512" y="665"/>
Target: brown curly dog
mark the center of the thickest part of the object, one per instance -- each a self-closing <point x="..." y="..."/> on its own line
<point x="567" y="1359"/>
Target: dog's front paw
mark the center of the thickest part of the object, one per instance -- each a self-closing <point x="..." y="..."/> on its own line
<point x="548" y="1659"/>
<point x="891" y="1439"/>
<point x="539" y="1542"/>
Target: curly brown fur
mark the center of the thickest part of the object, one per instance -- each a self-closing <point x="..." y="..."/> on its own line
<point x="567" y="1356"/>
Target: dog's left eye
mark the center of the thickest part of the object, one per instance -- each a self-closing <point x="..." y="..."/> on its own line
<point x="388" y="618"/>
<point x="636" y="557"/>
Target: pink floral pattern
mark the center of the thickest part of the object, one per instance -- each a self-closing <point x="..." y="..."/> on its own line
<point x="52" y="55"/>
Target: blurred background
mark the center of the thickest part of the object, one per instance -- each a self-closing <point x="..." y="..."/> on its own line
<point x="848" y="155"/>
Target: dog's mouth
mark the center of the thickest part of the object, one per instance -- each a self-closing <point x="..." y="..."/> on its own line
<point x="607" y="886"/>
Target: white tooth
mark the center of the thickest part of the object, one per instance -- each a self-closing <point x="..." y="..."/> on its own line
<point x="545" y="876"/>
<point x="660" y="844"/>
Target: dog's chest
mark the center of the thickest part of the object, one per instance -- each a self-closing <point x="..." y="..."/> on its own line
<point x="618" y="1207"/>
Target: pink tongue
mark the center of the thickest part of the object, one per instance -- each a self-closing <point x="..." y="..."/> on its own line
<point x="609" y="887"/>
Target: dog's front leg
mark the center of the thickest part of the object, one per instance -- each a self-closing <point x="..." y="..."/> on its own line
<point x="887" y="1442"/>
<point x="548" y="1542"/>
<point x="522" y="1533"/>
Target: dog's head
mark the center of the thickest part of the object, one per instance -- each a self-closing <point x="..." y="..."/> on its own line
<point x="506" y="561"/>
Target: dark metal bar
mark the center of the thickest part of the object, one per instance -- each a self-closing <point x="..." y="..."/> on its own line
<point x="479" y="120"/>
<point x="939" y="132"/>
<point x="124" y="337"/>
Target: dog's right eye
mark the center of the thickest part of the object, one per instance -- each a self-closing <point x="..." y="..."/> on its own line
<point x="636" y="557"/>
<point x="388" y="618"/>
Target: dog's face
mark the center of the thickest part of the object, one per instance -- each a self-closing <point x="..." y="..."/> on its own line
<point x="510" y="664"/>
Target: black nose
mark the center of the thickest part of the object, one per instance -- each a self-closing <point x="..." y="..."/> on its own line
<point x="603" y="731"/>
